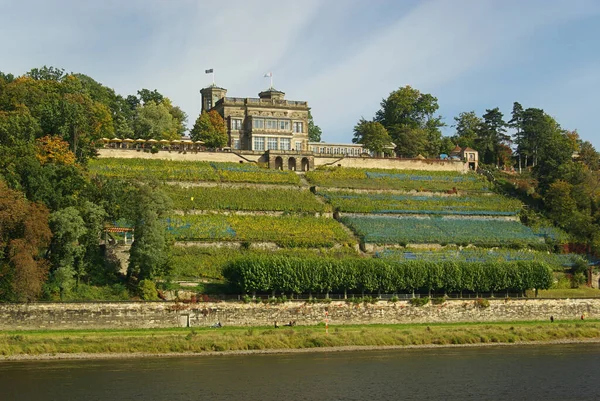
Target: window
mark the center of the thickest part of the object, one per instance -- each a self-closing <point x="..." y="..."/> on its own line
<point x="284" y="125"/>
<point x="472" y="156"/>
<point x="236" y="144"/>
<point x="259" y="143"/>
<point x="236" y="123"/>
<point x="271" y="124"/>
<point x="298" y="127"/>
<point x="298" y="145"/>
<point x="208" y="104"/>
<point x="272" y="143"/>
<point x="258" y="123"/>
<point x="284" y="143"/>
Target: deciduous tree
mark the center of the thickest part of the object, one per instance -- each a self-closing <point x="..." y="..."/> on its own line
<point x="211" y="129"/>
<point x="372" y="135"/>
<point x="24" y="234"/>
<point x="408" y="109"/>
<point x="314" y="132"/>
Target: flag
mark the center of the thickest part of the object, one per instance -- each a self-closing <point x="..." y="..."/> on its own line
<point x="208" y="71"/>
<point x="268" y="75"/>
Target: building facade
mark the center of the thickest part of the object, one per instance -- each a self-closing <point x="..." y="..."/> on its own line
<point x="268" y="122"/>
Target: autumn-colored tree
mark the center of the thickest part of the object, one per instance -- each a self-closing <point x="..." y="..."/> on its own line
<point x="24" y="233"/>
<point x="52" y="149"/>
<point x="210" y="128"/>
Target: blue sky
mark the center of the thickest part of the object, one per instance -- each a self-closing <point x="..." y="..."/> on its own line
<point x="342" y="56"/>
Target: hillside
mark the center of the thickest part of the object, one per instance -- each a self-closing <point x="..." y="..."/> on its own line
<point x="225" y="212"/>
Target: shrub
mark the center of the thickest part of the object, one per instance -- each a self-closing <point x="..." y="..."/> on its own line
<point x="482" y="303"/>
<point x="147" y="290"/>
<point x="419" y="301"/>
<point x="438" y="300"/>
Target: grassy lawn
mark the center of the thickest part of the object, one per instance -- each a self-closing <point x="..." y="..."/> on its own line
<point x="581" y="292"/>
<point x="198" y="340"/>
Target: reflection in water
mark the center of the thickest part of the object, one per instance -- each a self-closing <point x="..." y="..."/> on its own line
<point x="557" y="372"/>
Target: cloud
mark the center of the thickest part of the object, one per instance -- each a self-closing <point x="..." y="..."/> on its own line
<point x="435" y="43"/>
<point x="342" y="56"/>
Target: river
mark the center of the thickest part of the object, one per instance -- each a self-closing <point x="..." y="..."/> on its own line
<point x="547" y="372"/>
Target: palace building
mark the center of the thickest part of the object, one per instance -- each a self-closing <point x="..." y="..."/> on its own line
<point x="268" y="122"/>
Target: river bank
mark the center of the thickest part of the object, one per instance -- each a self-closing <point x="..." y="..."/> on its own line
<point x="103" y="344"/>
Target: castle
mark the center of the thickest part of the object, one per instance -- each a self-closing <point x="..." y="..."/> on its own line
<point x="277" y="127"/>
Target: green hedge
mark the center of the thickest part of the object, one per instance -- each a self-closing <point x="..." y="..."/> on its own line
<point x="303" y="275"/>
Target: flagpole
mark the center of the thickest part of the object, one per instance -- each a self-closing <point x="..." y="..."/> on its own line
<point x="213" y="76"/>
<point x="271" y="80"/>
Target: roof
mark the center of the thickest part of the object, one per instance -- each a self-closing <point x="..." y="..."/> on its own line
<point x="117" y="229"/>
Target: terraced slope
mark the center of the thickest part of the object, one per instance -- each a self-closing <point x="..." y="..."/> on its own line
<point x="435" y="181"/>
<point x="225" y="211"/>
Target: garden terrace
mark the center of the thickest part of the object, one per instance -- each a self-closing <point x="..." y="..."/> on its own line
<point x="193" y="262"/>
<point x="285" y="231"/>
<point x="188" y="171"/>
<point x="382" y="203"/>
<point x="424" y="230"/>
<point x="557" y="262"/>
<point x="436" y="181"/>
<point x="245" y="198"/>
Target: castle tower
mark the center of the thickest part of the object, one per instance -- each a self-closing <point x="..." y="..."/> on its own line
<point x="211" y="95"/>
<point x="271" y="94"/>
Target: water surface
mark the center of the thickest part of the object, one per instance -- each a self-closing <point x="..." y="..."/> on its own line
<point x="550" y="372"/>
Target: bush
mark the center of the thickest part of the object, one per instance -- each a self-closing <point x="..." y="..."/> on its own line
<point x="147" y="290"/>
<point x="438" y="301"/>
<point x="419" y="301"/>
<point x="482" y="303"/>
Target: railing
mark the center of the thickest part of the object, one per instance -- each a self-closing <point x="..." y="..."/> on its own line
<point x="266" y="102"/>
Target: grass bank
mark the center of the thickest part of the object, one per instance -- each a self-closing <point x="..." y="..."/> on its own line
<point x="198" y="340"/>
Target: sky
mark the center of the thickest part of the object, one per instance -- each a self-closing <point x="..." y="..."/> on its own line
<point x="341" y="56"/>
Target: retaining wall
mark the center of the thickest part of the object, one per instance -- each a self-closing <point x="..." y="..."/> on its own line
<point x="171" y="314"/>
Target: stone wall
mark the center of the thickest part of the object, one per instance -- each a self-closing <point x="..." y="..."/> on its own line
<point x="249" y="156"/>
<point x="392" y="163"/>
<point x="171" y="314"/>
<point x="189" y="156"/>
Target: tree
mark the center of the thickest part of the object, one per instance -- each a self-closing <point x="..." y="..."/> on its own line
<point x="516" y="123"/>
<point x="589" y="156"/>
<point x="47" y="74"/>
<point x="492" y="136"/>
<point x="66" y="250"/>
<point x="410" y="142"/>
<point x="372" y="135"/>
<point x="210" y="128"/>
<point x="468" y="125"/>
<point x="18" y="126"/>
<point x="24" y="234"/>
<point x="314" y="132"/>
<point x="149" y="254"/>
<point x="552" y="151"/>
<point x="52" y="149"/>
<point x="147" y="96"/>
<point x="408" y="109"/>
<point x="153" y="121"/>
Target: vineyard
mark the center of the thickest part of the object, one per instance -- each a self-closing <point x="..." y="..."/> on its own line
<point x="285" y="231"/>
<point x="189" y="171"/>
<point x="480" y="232"/>
<point x="381" y="203"/>
<point x="192" y="262"/>
<point x="245" y="198"/>
<point x="322" y="275"/>
<point x="317" y="253"/>
<point x="555" y="261"/>
<point x="397" y="179"/>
